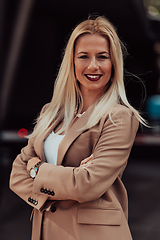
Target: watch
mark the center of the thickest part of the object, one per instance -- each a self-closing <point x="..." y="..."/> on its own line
<point x="34" y="170"/>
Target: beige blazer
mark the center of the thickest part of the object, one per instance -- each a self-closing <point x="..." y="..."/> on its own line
<point x="74" y="203"/>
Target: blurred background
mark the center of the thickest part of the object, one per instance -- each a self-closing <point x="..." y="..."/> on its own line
<point x="33" y="34"/>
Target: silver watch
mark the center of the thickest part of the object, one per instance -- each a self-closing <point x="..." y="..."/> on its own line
<point x="34" y="170"/>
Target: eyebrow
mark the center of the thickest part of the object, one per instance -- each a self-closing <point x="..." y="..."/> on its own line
<point x="82" y="53"/>
<point x="104" y="52"/>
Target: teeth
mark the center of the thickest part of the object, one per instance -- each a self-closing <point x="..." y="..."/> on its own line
<point x="93" y="76"/>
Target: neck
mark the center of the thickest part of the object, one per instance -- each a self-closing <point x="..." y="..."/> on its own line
<point x="88" y="99"/>
<point x="87" y="102"/>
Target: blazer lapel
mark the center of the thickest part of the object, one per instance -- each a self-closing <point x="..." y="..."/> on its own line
<point x="72" y="134"/>
<point x="39" y="142"/>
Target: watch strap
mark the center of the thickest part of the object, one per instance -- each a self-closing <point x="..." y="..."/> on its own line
<point x="35" y="168"/>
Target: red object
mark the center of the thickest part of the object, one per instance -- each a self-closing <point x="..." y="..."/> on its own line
<point x="22" y="132"/>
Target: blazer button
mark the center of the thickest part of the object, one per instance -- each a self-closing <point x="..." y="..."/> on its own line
<point x="45" y="191"/>
<point x="52" y="193"/>
<point x="29" y="199"/>
<point x="49" y="192"/>
<point x="42" y="190"/>
<point x="35" y="203"/>
<point x="53" y="208"/>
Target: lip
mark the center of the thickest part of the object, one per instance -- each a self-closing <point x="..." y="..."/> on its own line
<point x="93" y="77"/>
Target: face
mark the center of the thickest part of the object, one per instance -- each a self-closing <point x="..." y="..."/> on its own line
<point x="92" y="63"/>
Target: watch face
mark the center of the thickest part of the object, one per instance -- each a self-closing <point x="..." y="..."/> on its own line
<point x="32" y="173"/>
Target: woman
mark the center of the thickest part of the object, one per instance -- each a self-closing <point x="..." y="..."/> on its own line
<point x="71" y="169"/>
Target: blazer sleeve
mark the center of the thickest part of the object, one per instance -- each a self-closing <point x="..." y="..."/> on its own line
<point x="109" y="158"/>
<point x="20" y="181"/>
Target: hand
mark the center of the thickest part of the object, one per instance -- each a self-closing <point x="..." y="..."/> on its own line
<point x="86" y="161"/>
<point x="31" y="163"/>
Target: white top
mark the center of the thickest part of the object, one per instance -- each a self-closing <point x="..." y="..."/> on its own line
<point x="50" y="147"/>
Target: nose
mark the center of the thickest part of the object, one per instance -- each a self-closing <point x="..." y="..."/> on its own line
<point x="93" y="65"/>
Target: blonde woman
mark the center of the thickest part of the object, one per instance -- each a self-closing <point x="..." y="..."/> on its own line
<point x="71" y="169"/>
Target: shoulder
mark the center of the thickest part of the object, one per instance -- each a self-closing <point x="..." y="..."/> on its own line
<point x="121" y="115"/>
<point x="122" y="111"/>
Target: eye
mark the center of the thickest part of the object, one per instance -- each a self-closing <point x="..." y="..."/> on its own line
<point x="103" y="57"/>
<point x="83" y="57"/>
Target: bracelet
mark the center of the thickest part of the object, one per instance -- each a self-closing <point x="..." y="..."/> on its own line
<point x="37" y="164"/>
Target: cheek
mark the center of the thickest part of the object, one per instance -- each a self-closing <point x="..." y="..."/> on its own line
<point x="78" y="69"/>
<point x="108" y="69"/>
<point x="76" y="72"/>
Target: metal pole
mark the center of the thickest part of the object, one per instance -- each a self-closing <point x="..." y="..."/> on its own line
<point x="13" y="54"/>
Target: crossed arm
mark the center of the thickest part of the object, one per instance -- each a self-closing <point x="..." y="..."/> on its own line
<point x="84" y="183"/>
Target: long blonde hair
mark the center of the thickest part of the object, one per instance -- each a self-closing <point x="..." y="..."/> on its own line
<point x="67" y="96"/>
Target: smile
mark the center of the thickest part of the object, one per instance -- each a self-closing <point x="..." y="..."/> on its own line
<point x="93" y="77"/>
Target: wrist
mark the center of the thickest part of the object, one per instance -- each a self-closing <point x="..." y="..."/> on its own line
<point x="34" y="169"/>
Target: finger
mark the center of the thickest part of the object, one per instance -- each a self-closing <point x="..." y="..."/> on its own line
<point x="85" y="165"/>
<point x="87" y="159"/>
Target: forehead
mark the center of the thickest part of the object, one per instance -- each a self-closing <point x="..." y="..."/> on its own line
<point x="92" y="42"/>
